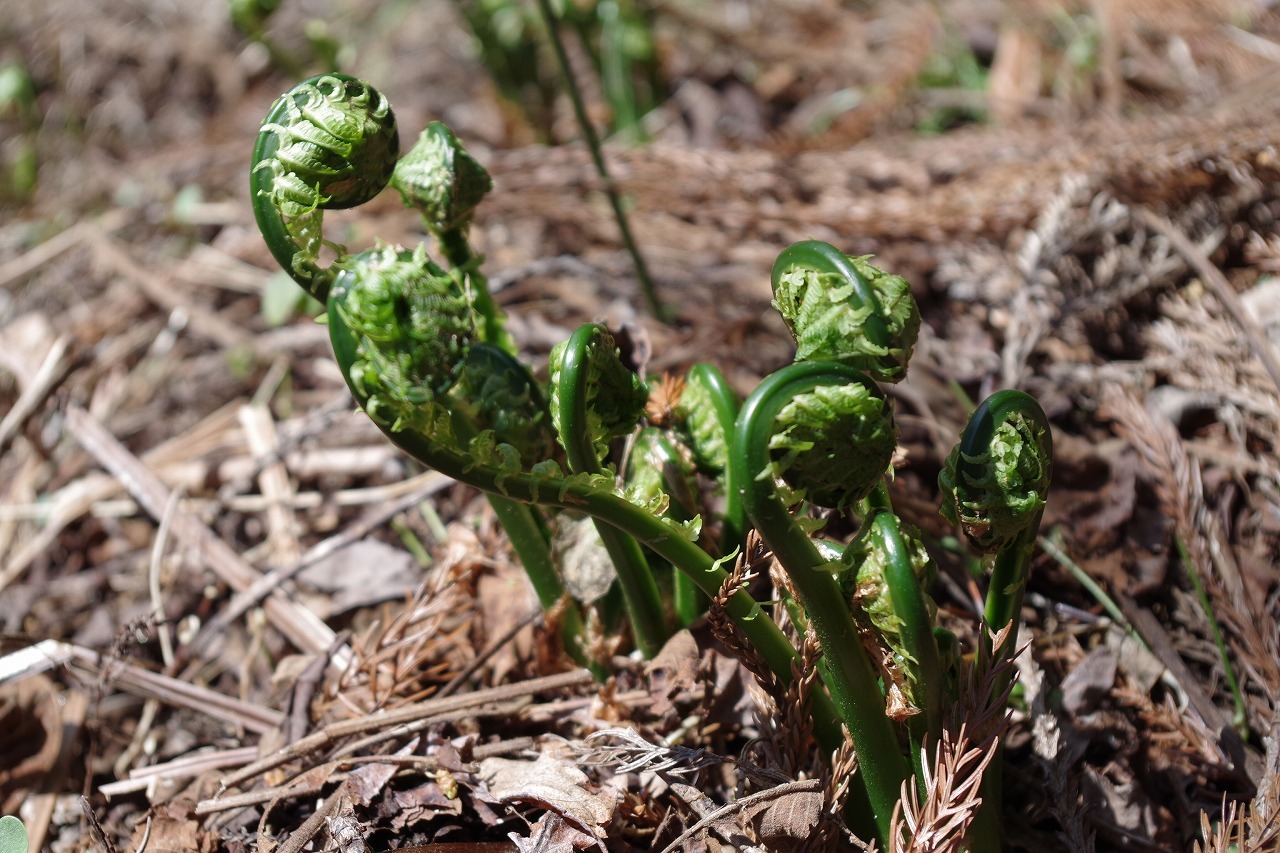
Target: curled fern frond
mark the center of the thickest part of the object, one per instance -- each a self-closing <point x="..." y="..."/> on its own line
<point x="707" y="408"/>
<point x="595" y="398"/>
<point x="496" y="393"/>
<point x="661" y="475"/>
<point x="441" y="180"/>
<point x="328" y="143"/>
<point x="832" y="442"/>
<point x="843" y="309"/>
<point x="996" y="479"/>
<point x="412" y="328"/>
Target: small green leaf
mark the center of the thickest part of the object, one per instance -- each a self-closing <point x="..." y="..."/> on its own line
<point x="13" y="835"/>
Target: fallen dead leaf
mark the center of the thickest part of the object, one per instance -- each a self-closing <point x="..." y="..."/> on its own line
<point x="551" y="784"/>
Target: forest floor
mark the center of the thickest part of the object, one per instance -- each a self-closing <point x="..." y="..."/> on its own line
<point x="1083" y="195"/>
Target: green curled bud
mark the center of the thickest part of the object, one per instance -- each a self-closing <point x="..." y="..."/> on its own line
<point x="329" y="143"/>
<point x="594" y="396"/>
<point x="843" y="309"/>
<point x="336" y="144"/>
<point x="440" y="180"/>
<point x="832" y="443"/>
<point x="495" y="392"/>
<point x="401" y="329"/>
<point x="996" y="480"/>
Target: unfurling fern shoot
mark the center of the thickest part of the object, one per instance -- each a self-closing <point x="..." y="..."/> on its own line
<point x="330" y="143"/>
<point x="994" y="485"/>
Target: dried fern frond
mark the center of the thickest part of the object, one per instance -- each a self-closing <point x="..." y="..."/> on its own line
<point x="1177" y="480"/>
<point x="952" y="796"/>
<point x="1254" y="827"/>
<point x="1056" y="763"/>
<point x="981" y="709"/>
<point x="797" y="746"/>
<point x="404" y="659"/>
<point x="723" y="629"/>
<point x="627" y="751"/>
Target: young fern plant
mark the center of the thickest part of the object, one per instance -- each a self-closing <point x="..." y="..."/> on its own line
<point x="425" y="354"/>
<point x="994" y="485"/>
<point x="426" y="358"/>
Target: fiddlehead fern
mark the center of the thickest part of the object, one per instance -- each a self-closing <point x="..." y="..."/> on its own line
<point x="444" y="183"/>
<point x="706" y="411"/>
<point x="833" y="442"/>
<point x="328" y="143"/>
<point x="595" y="398"/>
<point x="441" y="180"/>
<point x="758" y="461"/>
<point x="995" y="480"/>
<point x="414" y="328"/>
<point x="845" y="310"/>
<point x="994" y="485"/>
<point x="661" y="477"/>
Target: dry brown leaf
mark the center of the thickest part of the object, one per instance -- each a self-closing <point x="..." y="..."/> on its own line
<point x="553" y="834"/>
<point x="787" y="820"/>
<point x="551" y="784"/>
<point x="173" y="829"/>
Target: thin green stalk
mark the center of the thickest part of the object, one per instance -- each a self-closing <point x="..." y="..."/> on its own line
<point x="1052" y="546"/>
<point x="1240" y="715"/>
<point x="647" y="289"/>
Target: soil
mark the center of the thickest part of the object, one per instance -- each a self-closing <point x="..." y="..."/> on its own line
<point x="1083" y="197"/>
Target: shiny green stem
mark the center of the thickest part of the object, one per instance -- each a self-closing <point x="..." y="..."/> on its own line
<point x="725" y="403"/>
<point x="529" y="542"/>
<point x="639" y="589"/>
<point x="853" y="682"/>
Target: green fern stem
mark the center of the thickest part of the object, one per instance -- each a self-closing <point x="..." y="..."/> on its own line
<point x="708" y="408"/>
<point x="589" y="135"/>
<point x="852" y="680"/>
<point x="578" y="386"/>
